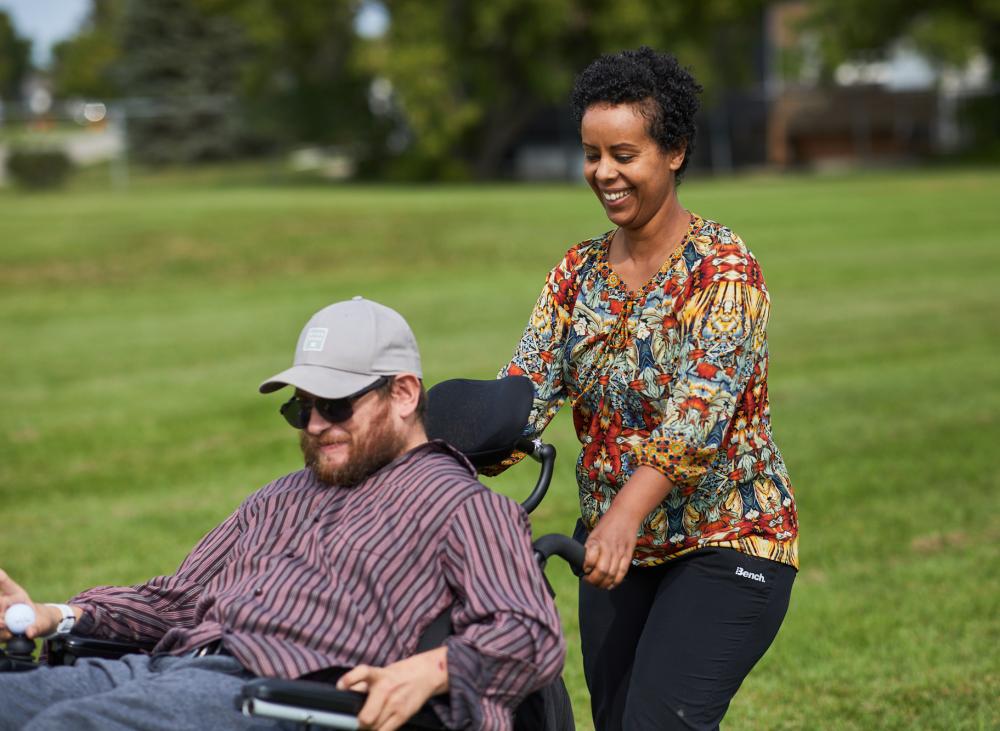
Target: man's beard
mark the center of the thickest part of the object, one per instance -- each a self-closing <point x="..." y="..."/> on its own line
<point x="370" y="451"/>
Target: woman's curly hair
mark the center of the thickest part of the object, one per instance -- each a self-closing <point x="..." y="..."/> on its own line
<point x="666" y="93"/>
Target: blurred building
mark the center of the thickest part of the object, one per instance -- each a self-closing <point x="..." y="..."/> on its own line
<point x="893" y="110"/>
<point x="851" y="125"/>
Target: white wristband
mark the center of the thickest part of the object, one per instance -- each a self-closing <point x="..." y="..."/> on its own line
<point x="67" y="621"/>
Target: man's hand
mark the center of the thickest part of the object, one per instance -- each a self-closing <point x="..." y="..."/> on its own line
<point x="46" y="618"/>
<point x="397" y="691"/>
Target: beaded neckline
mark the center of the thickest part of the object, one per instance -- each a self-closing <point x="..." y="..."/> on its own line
<point x="616" y="283"/>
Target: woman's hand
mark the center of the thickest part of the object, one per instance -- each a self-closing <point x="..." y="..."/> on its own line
<point x="609" y="547"/>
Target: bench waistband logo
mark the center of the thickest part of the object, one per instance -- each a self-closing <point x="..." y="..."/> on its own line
<point x="740" y="571"/>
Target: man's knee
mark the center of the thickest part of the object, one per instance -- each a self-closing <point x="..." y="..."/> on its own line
<point x="27" y="695"/>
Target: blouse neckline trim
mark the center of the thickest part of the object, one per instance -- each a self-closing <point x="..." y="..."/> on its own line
<point x="616" y="283"/>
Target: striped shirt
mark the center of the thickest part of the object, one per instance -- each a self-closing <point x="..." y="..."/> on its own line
<point x="304" y="576"/>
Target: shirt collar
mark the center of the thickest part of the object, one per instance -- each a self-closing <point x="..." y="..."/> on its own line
<point x="432" y="445"/>
<point x="428" y="447"/>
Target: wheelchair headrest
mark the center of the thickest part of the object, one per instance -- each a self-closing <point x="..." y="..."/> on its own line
<point x="482" y="419"/>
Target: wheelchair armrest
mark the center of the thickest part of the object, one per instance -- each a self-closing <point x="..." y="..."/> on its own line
<point x="316" y="703"/>
<point x="67" y="649"/>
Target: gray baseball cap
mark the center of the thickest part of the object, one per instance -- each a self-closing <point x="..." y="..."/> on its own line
<point x="347" y="346"/>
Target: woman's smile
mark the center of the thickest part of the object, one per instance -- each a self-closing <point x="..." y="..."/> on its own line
<point x="615" y="197"/>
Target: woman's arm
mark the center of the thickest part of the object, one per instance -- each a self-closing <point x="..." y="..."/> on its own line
<point x="610" y="545"/>
<point x="539" y="353"/>
<point x="723" y="331"/>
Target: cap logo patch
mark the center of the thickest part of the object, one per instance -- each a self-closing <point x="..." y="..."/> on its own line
<point x="315" y="339"/>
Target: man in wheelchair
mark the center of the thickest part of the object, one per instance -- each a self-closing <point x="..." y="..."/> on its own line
<point x="341" y="565"/>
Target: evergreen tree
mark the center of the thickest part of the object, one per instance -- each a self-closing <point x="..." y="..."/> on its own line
<point x="181" y="69"/>
<point x="303" y="82"/>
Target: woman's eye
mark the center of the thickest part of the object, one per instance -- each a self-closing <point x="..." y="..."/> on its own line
<point x="596" y="156"/>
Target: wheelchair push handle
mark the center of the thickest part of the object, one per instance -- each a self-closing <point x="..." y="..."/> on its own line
<point x="565" y="547"/>
<point x="545" y="454"/>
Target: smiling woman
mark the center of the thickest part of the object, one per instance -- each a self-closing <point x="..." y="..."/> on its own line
<point x="655" y="332"/>
<point x="626" y="169"/>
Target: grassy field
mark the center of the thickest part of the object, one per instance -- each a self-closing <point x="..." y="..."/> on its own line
<point x="134" y="328"/>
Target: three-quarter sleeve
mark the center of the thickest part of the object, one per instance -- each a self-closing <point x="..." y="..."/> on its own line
<point x="540" y="351"/>
<point x="507" y="640"/>
<point x="147" y="611"/>
<point x="722" y="328"/>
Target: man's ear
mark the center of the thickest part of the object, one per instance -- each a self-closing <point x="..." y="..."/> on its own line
<point x="406" y="389"/>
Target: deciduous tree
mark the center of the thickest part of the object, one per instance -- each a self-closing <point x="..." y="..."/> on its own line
<point x="471" y="75"/>
<point x="949" y="32"/>
<point x="87" y="63"/>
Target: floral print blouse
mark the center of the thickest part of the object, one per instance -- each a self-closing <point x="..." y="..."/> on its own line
<point x="673" y="376"/>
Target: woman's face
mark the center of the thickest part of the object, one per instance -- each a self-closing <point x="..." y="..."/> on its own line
<point x="632" y="177"/>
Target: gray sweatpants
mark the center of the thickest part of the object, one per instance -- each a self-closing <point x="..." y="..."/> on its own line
<point x="137" y="692"/>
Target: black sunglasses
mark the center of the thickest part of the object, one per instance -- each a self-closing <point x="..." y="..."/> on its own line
<point x="298" y="410"/>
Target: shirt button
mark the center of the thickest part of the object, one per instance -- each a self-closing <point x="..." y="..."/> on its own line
<point x="290" y="554"/>
<point x="258" y="591"/>
<point x="227" y="630"/>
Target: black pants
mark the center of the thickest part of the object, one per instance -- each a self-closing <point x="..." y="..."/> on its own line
<point x="669" y="647"/>
<point x="547" y="709"/>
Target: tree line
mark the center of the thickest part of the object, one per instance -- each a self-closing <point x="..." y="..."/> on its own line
<point x="448" y="86"/>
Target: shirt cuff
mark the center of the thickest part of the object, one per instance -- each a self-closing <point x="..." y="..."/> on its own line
<point x="682" y="464"/>
<point x="87" y="623"/>
<point x="469" y="706"/>
<point x="465" y="689"/>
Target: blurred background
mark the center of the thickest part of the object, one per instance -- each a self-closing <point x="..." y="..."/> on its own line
<point x="184" y="182"/>
<point x="453" y="90"/>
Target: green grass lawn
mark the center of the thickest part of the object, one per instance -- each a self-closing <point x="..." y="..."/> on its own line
<point x="135" y="327"/>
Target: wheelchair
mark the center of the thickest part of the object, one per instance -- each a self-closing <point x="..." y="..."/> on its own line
<point x="485" y="420"/>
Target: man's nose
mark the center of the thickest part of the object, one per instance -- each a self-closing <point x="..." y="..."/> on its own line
<point x="317" y="424"/>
